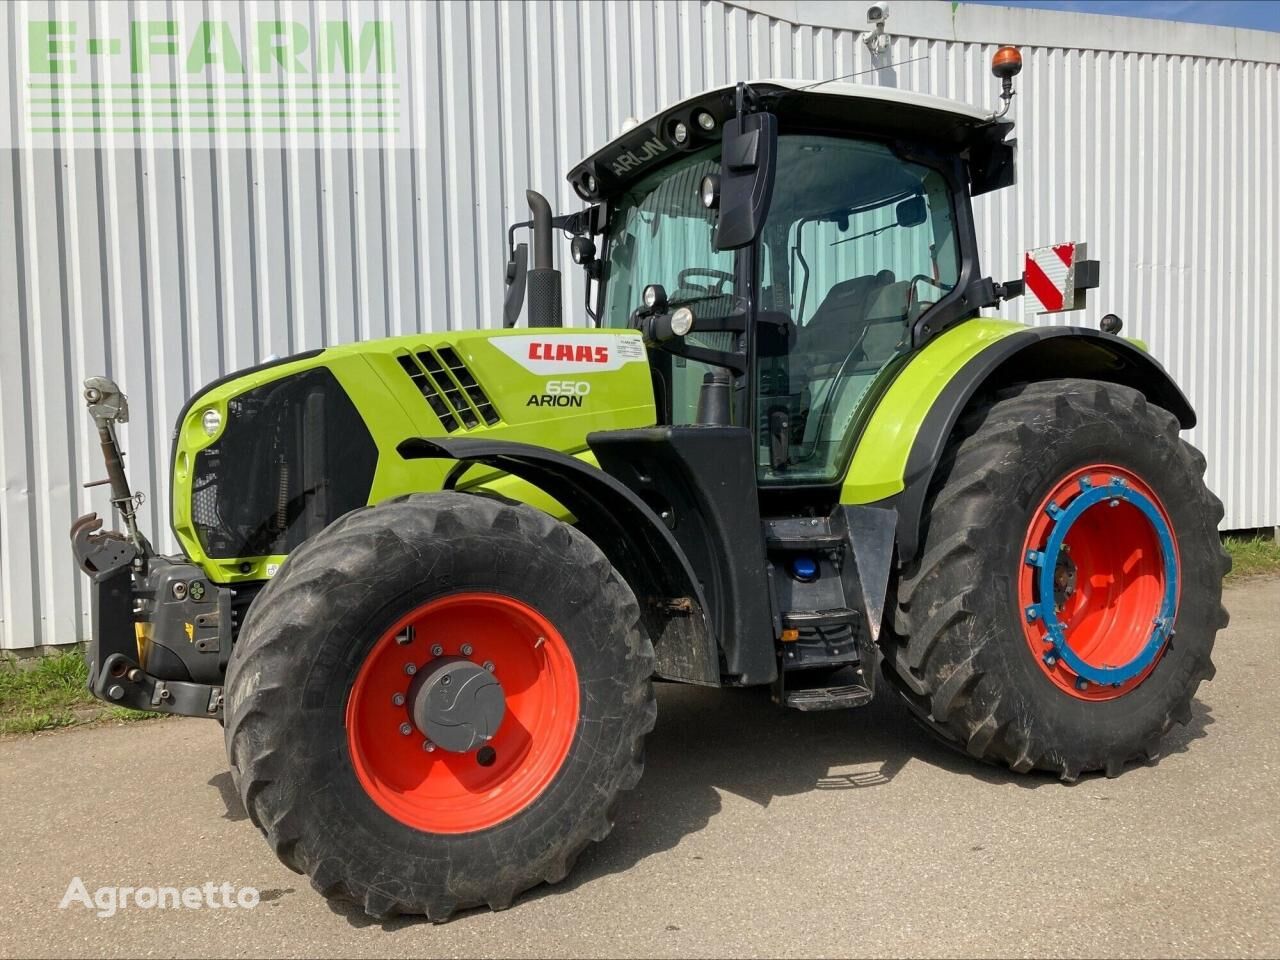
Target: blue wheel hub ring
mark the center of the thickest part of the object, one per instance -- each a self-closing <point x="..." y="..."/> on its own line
<point x="1046" y="562"/>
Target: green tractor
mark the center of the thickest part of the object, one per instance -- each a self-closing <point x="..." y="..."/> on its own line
<point x="427" y="581"/>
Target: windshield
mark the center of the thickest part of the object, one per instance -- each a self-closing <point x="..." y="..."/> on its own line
<point x="858" y="243"/>
<point x="659" y="232"/>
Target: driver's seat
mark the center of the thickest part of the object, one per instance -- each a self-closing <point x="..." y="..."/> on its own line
<point x="834" y="325"/>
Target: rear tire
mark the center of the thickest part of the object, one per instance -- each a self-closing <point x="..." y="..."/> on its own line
<point x="316" y="630"/>
<point x="960" y="650"/>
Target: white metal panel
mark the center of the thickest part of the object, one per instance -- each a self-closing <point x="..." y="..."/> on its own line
<point x="168" y="263"/>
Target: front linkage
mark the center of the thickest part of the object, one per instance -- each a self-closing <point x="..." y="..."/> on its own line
<point x="161" y="631"/>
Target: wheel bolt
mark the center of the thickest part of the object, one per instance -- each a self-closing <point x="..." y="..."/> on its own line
<point x="428" y="746"/>
<point x="398" y="699"/>
<point x="1082" y="684"/>
<point x="411" y="668"/>
<point x="406" y="728"/>
<point x="466" y="649"/>
<point x="488" y="665"/>
<point x="437" y="650"/>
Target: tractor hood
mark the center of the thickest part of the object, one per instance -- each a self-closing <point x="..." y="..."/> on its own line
<point x="271" y="455"/>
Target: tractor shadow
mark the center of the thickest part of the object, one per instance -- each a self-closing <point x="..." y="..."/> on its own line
<point x="739" y="742"/>
<point x="226" y="788"/>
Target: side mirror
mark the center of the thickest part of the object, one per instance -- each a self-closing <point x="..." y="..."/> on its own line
<point x="747" y="165"/>
<point x="912" y="212"/>
<point x="517" y="270"/>
<point x="992" y="164"/>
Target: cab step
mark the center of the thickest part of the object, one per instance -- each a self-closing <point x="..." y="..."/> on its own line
<point x="819" y="618"/>
<point x="808" y="542"/>
<point x="829" y="698"/>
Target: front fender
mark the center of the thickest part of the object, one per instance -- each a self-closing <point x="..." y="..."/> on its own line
<point x="906" y="435"/>
<point x="626" y="530"/>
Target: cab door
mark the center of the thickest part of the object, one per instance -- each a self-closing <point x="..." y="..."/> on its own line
<point x="858" y="244"/>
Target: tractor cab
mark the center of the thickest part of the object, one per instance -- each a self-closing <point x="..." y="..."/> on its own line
<point x="783" y="250"/>
<point x="784" y="247"/>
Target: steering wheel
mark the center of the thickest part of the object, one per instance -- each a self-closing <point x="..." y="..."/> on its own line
<point x="723" y="276"/>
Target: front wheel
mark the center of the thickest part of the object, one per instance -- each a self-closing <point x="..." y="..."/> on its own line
<point x="436" y="703"/>
<point x="1063" y="607"/>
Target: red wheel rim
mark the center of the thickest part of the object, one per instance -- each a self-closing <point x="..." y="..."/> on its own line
<point x="1109" y="590"/>
<point x="439" y="791"/>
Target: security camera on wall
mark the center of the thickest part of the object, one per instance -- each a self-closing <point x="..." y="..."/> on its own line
<point x="877" y="40"/>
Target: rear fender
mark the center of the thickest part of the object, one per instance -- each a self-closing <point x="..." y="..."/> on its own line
<point x="628" y="532"/>
<point x="982" y="356"/>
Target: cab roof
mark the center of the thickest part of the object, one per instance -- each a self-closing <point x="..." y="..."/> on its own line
<point x="834" y="106"/>
<point x="860" y="91"/>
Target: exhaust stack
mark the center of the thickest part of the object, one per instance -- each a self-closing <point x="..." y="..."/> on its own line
<point x="543" y="279"/>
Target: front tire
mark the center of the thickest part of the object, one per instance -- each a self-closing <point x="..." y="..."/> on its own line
<point x="1086" y="668"/>
<point x="348" y="748"/>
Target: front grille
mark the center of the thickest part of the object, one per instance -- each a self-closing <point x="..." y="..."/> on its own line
<point x="452" y="393"/>
<point x="293" y="456"/>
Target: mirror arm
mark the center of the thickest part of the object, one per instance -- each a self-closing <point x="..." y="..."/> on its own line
<point x="735" y="362"/>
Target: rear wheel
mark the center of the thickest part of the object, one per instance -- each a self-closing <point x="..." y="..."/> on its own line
<point x="1064" y="604"/>
<point x="436" y="703"/>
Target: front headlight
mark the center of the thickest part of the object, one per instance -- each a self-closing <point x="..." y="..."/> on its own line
<point x="211" y="420"/>
<point x="681" y="321"/>
<point x="709" y="191"/>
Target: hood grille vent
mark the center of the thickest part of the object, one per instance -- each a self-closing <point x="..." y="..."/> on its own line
<point x="452" y="393"/>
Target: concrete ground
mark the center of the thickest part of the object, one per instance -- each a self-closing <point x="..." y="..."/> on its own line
<point x="753" y="833"/>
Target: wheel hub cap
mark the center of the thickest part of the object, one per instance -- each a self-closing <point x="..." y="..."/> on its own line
<point x="457" y="704"/>
<point x="462" y="712"/>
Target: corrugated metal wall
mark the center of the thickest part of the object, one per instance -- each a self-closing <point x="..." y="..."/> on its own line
<point x="167" y="265"/>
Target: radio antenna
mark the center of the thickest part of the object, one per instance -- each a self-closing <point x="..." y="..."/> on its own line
<point x="858" y="73"/>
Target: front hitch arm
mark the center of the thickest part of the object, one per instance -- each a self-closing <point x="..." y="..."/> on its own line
<point x="108" y="406"/>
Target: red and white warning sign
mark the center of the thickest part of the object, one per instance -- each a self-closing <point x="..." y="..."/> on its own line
<point x="1051" y="278"/>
